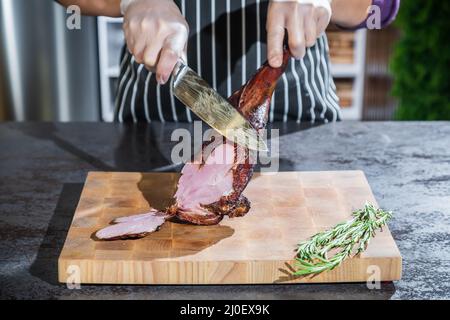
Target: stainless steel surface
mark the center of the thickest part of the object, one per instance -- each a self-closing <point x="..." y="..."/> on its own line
<point x="48" y="72"/>
<point x="212" y="108"/>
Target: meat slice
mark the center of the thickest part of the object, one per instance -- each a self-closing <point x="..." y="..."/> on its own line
<point x="211" y="187"/>
<point x="133" y="227"/>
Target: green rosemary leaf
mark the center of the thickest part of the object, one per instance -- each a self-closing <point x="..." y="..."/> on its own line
<point x="350" y="238"/>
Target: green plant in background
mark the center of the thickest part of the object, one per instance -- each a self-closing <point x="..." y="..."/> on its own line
<point x="421" y="61"/>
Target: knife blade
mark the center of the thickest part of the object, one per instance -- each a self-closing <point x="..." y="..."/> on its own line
<point x="216" y="111"/>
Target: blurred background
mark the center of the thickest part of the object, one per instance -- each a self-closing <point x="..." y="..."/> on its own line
<point x="50" y="73"/>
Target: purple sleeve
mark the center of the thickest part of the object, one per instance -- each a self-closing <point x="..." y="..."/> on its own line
<point x="389" y="10"/>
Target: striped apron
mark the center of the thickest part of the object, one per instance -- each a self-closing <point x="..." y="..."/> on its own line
<point x="227" y="44"/>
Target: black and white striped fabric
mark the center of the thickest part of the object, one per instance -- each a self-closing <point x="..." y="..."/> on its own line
<point x="227" y="44"/>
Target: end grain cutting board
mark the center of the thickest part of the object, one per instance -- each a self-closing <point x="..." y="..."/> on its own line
<point x="286" y="208"/>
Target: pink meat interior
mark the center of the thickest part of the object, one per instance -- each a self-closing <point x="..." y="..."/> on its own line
<point x="204" y="184"/>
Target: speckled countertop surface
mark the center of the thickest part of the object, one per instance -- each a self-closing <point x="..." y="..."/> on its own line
<point x="43" y="167"/>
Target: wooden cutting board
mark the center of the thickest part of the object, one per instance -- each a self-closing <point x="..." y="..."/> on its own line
<point x="287" y="207"/>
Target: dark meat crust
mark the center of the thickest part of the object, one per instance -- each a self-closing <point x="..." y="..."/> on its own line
<point x="241" y="209"/>
<point x="205" y="220"/>
<point x="231" y="208"/>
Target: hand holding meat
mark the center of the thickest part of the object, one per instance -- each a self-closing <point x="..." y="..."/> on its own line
<point x="156" y="34"/>
<point x="304" y="20"/>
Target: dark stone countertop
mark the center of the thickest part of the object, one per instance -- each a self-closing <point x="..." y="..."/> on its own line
<point x="43" y="167"/>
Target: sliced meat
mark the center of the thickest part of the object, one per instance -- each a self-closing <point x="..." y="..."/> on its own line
<point x="208" y="191"/>
<point x="211" y="187"/>
<point x="136" y="226"/>
<point x="202" y="184"/>
<point x="139" y="217"/>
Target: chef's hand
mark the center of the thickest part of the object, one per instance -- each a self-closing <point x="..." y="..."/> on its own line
<point x="304" y="20"/>
<point x="156" y="34"/>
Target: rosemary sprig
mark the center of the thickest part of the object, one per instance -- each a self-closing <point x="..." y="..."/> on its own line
<point x="349" y="238"/>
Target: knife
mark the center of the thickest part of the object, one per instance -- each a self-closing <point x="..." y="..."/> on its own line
<point x="208" y="105"/>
